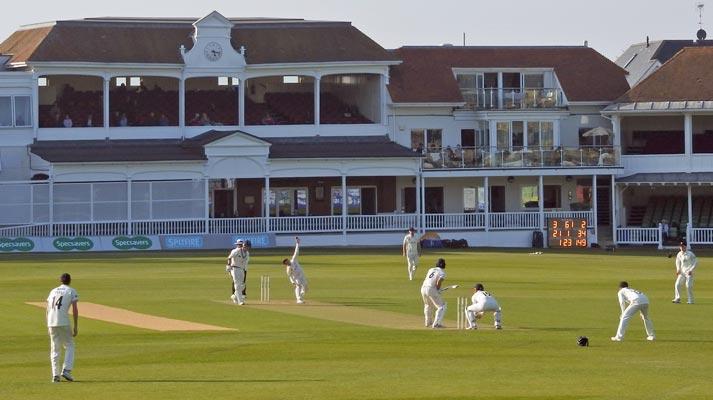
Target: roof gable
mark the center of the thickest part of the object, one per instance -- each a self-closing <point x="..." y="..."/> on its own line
<point x="426" y="72"/>
<point x="687" y="76"/>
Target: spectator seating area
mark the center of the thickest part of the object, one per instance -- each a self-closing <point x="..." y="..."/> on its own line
<point x="78" y="105"/>
<point x="656" y="142"/>
<point x="155" y="107"/>
<point x="703" y="143"/>
<point x="674" y="210"/>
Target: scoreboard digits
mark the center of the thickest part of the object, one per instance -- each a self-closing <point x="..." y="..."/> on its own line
<point x="567" y="232"/>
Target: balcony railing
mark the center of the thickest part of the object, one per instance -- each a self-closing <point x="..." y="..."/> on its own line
<point x="531" y="157"/>
<point x="512" y="98"/>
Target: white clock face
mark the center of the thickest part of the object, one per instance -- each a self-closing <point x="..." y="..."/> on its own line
<point x="213" y="51"/>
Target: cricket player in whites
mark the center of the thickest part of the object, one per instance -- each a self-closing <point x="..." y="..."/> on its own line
<point x="431" y="294"/>
<point x="411" y="249"/>
<point x="296" y="274"/>
<point x="686" y="262"/>
<point x="631" y="301"/>
<point x="482" y="302"/>
<point x="61" y="335"/>
<point x="237" y="268"/>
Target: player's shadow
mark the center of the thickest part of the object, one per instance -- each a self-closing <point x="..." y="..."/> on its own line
<point x="199" y="380"/>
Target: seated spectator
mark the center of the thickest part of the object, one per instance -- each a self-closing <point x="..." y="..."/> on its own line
<point x="195" y="121"/>
<point x="665" y="229"/>
<point x="163" y="120"/>
<point x="419" y="148"/>
<point x="268" y="120"/>
<point x="123" y="121"/>
<point x="67" y="123"/>
<point x="151" y="120"/>
<point x="89" y="121"/>
<point x="205" y="121"/>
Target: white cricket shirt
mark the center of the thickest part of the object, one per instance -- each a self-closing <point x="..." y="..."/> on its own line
<point x="411" y="243"/>
<point x="294" y="270"/>
<point x="631" y="296"/>
<point x="433" y="276"/>
<point x="239" y="258"/>
<point x="484" y="298"/>
<point x="58" y="302"/>
<point x="685" y="262"/>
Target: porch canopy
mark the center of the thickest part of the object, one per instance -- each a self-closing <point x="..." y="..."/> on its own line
<point x="667" y="178"/>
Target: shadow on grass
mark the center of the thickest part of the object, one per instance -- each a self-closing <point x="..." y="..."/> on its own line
<point x="199" y="381"/>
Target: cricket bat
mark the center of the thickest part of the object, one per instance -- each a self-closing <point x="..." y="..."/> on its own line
<point x="443" y="289"/>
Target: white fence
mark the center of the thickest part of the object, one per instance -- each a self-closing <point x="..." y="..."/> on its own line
<point x="311" y="224"/>
<point x="701" y="236"/>
<point x="515" y="220"/>
<point x="455" y="221"/>
<point x="638" y="236"/>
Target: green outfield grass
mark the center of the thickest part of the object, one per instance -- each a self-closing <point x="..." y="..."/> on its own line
<point x="548" y="300"/>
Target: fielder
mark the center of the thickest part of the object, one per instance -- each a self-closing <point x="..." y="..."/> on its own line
<point x="431" y="294"/>
<point x="237" y="268"/>
<point x="631" y="301"/>
<point x="411" y="249"/>
<point x="58" y="325"/>
<point x="482" y="302"/>
<point x="686" y="262"/>
<point x="295" y="274"/>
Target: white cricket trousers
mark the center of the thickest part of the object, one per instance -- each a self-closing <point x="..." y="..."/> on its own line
<point x="629" y="312"/>
<point x="61" y="337"/>
<point x="412" y="259"/>
<point x="300" y="290"/>
<point x="680" y="279"/>
<point x="474" y="311"/>
<point x="238" y="275"/>
<point x="432" y="299"/>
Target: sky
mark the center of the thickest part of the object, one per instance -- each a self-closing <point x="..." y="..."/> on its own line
<point x="609" y="26"/>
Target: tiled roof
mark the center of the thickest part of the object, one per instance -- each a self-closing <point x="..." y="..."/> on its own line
<point x="139" y="41"/>
<point x="147" y="150"/>
<point x="426" y="75"/>
<point x="338" y="147"/>
<point x="688" y="76"/>
<point x="135" y="150"/>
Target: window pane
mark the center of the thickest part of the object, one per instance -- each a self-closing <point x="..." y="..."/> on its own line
<point x="301" y="197"/>
<point x="354" y="201"/>
<point x="518" y="135"/>
<point x="5" y="112"/>
<point x="434" y="139"/>
<point x="529" y="196"/>
<point x="503" y="135"/>
<point x="284" y="203"/>
<point x="547" y="134"/>
<point x="336" y="201"/>
<point x="533" y="134"/>
<point x="417" y="139"/>
<point x="23" y="115"/>
<point x="469" y="199"/>
<point x="481" y="199"/>
<point x="535" y="81"/>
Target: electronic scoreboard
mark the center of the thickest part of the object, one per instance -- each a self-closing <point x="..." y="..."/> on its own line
<point x="567" y="232"/>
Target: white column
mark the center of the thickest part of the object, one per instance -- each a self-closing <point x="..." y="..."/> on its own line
<point x="500" y="90"/>
<point x="616" y="129"/>
<point x="129" y="227"/>
<point x="107" y="116"/>
<point x="344" y="207"/>
<point x="541" y="202"/>
<point x="418" y="201"/>
<point x="383" y="81"/>
<point x="688" y="133"/>
<point x="51" y="205"/>
<point x="614" y="209"/>
<point x="690" y="206"/>
<point x="486" y="193"/>
<point x="594" y="205"/>
<point x="241" y="102"/>
<point x="206" y="210"/>
<point x="317" y="101"/>
<point x="266" y="205"/>
<point x="182" y="106"/>
<point x="35" y="105"/>
<point x="422" y="216"/>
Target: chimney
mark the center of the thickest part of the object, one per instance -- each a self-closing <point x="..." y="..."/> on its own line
<point x="647" y="41"/>
<point x="586" y="43"/>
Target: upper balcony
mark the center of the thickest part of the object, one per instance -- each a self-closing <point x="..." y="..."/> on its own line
<point x="512" y="98"/>
<point x="531" y="157"/>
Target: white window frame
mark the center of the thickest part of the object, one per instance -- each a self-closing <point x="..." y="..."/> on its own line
<point x="276" y="207"/>
<point x="13" y="112"/>
<point x="339" y="188"/>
